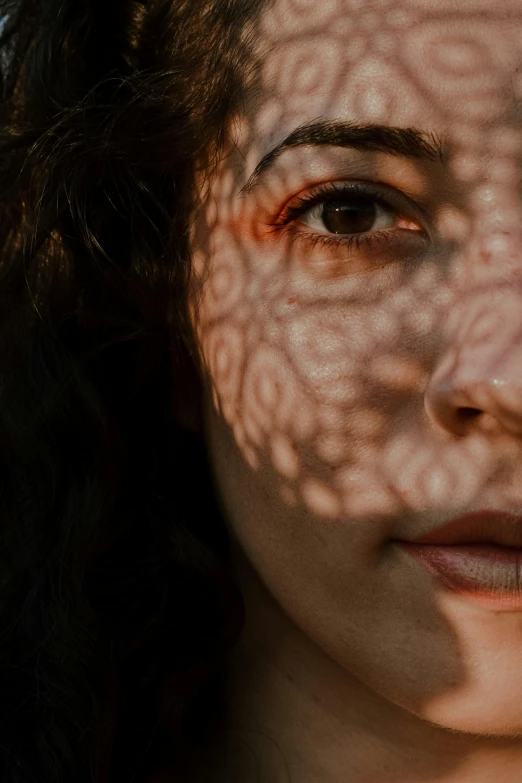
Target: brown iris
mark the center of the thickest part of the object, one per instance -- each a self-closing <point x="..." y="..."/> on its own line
<point x="354" y="216"/>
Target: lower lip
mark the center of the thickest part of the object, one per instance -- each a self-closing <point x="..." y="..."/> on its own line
<point x="485" y="574"/>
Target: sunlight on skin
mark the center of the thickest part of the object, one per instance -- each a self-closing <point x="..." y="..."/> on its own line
<point x="336" y="376"/>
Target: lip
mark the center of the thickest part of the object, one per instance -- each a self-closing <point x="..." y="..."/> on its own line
<point x="477" y="556"/>
<point x="481" y="527"/>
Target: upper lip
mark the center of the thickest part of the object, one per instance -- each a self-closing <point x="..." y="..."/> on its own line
<point x="492" y="527"/>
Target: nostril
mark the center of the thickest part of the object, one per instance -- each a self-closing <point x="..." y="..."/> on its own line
<point x="468" y="414"/>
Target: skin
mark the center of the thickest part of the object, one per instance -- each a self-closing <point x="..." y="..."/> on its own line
<point x="338" y="388"/>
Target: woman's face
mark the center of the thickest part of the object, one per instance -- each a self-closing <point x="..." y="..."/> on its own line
<point x="359" y="316"/>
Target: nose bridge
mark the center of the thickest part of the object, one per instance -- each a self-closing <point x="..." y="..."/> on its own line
<point x="480" y="370"/>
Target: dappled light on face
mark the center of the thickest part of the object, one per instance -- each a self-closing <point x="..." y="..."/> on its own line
<point x="274" y="400"/>
<point x="313" y="347"/>
<point x="367" y="389"/>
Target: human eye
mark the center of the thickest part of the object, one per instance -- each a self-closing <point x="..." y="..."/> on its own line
<point x="354" y="215"/>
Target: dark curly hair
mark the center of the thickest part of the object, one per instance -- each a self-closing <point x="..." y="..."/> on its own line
<point x="117" y="601"/>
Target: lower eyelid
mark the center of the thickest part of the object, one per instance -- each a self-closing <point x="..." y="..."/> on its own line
<point x="386" y="245"/>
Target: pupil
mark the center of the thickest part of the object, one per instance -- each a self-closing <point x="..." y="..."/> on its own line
<point x="349" y="217"/>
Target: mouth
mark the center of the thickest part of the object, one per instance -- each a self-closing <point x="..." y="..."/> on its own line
<point x="477" y="556"/>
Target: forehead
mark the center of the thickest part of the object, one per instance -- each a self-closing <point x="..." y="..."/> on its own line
<point x="448" y="66"/>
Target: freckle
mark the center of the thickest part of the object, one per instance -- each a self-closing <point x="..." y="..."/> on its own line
<point x="292" y="299"/>
<point x="403" y="493"/>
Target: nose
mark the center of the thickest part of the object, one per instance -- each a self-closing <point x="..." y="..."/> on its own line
<point x="477" y="381"/>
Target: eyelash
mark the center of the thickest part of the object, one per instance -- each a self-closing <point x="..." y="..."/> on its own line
<point x="333" y="192"/>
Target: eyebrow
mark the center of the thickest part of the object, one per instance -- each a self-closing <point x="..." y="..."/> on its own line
<point x="409" y="142"/>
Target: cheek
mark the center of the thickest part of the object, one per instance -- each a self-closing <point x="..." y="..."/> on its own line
<point x="327" y="571"/>
<point x="313" y="379"/>
<point x="314" y="414"/>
